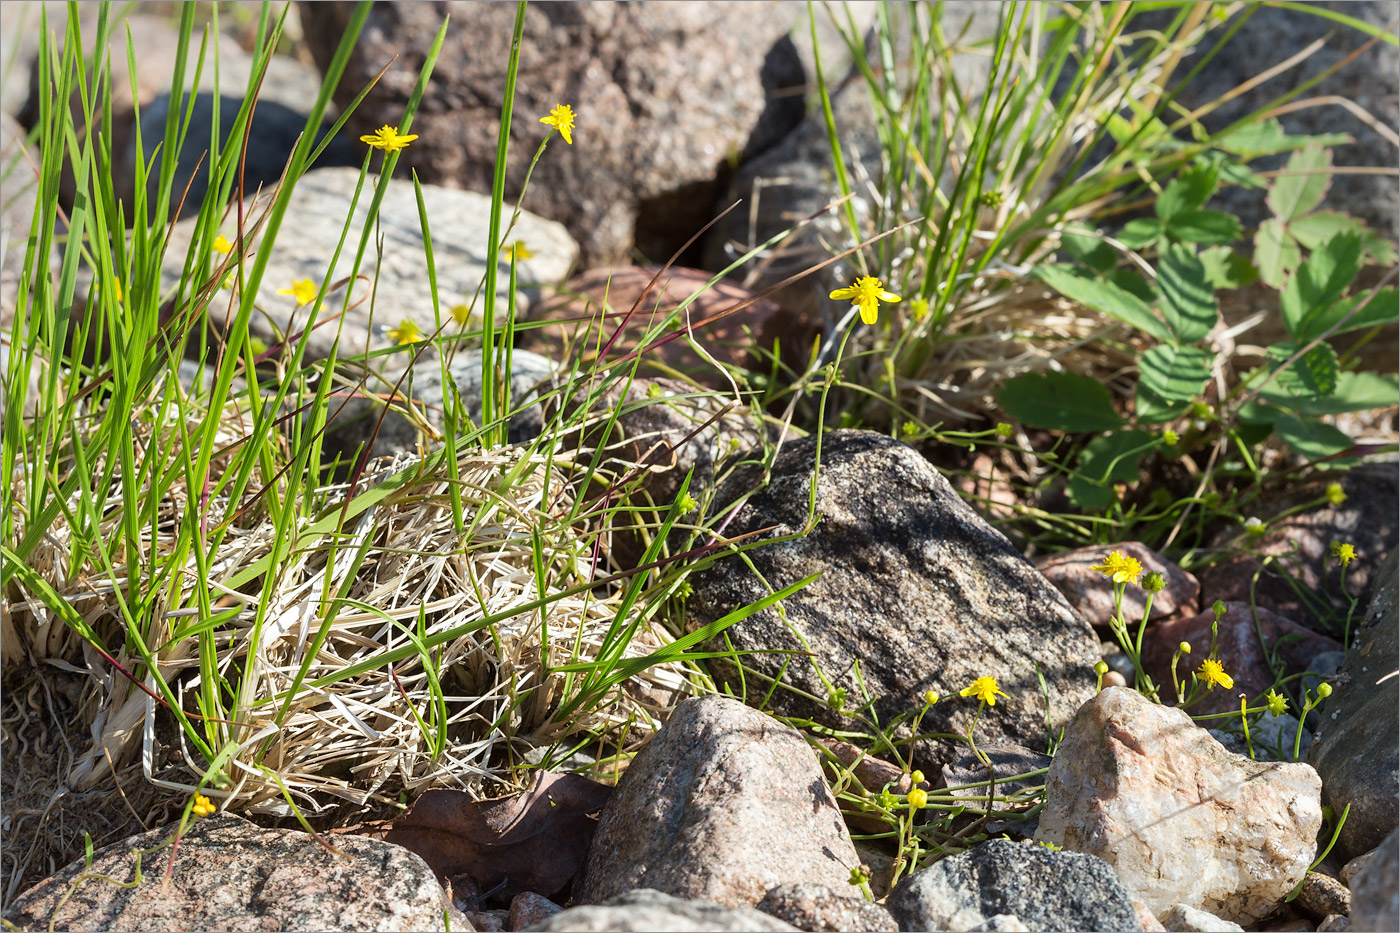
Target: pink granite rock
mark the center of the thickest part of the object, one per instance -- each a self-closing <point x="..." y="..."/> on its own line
<point x="1091" y="593"/>
<point x="1182" y="820"/>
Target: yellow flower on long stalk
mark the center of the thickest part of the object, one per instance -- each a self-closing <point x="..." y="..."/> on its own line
<point x="1213" y="672"/>
<point x="985" y="689"/>
<point x="202" y="806"/>
<point x="406" y="332"/>
<point x="222" y="245"/>
<point x="303" y="290"/>
<point x="562" y="119"/>
<point x="866" y="293"/>
<point x="1120" y="568"/>
<point x="388" y="139"/>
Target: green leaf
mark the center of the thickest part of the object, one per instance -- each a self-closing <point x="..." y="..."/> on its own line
<point x="1319" y="282"/>
<point x="1267" y="137"/>
<point x="1060" y="402"/>
<point x="1310" y="439"/>
<point x="1132" y="282"/>
<point x="1275" y="252"/>
<point x="1354" y="392"/>
<point x="1226" y="268"/>
<point x="1151" y="408"/>
<point x="1089" y="250"/>
<point x="1382" y="308"/>
<point x="1189" y="191"/>
<point x="1176" y="374"/>
<point x="1104" y="297"/>
<point x="1303" y="183"/>
<point x="1141" y="232"/>
<point x="1111" y="458"/>
<point x="1320" y="226"/>
<point x="1313" y="375"/>
<point x="1188" y="301"/>
<point x="1205" y="227"/>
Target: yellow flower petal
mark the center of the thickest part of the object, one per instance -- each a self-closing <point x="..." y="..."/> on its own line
<point x="562" y="119"/>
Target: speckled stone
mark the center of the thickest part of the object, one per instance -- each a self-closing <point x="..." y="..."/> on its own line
<point x="648" y="911"/>
<point x="818" y="909"/>
<point x="1322" y="896"/>
<point x="1047" y="890"/>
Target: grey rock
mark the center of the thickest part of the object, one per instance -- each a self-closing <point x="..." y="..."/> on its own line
<point x="1046" y="890"/>
<point x="1355" y="750"/>
<point x="818" y="909"/>
<point x="231" y="875"/>
<point x="724" y="804"/>
<point x="528" y="908"/>
<point x="1375" y="897"/>
<point x="1335" y="923"/>
<point x="1179" y="918"/>
<point x="646" y="910"/>
<point x="316" y="215"/>
<point x="1353" y="866"/>
<point x="1270" y="736"/>
<point x="1007" y="762"/>
<point x="663" y="94"/>
<point x="914" y="585"/>
<point x="354" y="420"/>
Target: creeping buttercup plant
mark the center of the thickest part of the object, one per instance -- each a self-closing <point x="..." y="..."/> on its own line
<point x="1171" y="301"/>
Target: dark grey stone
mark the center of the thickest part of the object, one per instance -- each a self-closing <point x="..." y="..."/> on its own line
<point x="1355" y="750"/>
<point x="818" y="909"/>
<point x="646" y="910"/>
<point x="914" y="586"/>
<point x="1375" y="897"/>
<point x="1047" y="890"/>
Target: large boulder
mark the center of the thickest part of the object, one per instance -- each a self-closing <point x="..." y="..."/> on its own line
<point x="1355" y="750"/>
<point x="914" y="587"/>
<point x="648" y="911"/>
<point x="1181" y="820"/>
<point x="664" y="96"/>
<point x="723" y="805"/>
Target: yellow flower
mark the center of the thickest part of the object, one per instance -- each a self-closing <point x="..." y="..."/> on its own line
<point x="1278" y="705"/>
<point x="1121" y="569"/>
<point x="517" y="250"/>
<point x="985" y="689"/>
<point x="202" y="806"/>
<point x="1170" y="437"/>
<point x="1335" y="494"/>
<point x="388" y="139"/>
<point x="930" y="697"/>
<point x="1212" y="672"/>
<point x="562" y="119"/>
<point x="303" y="290"/>
<point x="461" y="314"/>
<point x="866" y="293"/>
<point x="918" y="798"/>
<point x="406" y="332"/>
<point x="1184" y="647"/>
<point x="1344" y="553"/>
<point x="117" y="289"/>
<point x="222" y="245"/>
<point x="917" y="777"/>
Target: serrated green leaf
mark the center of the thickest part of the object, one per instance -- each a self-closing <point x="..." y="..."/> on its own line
<point x="1276" y="253"/>
<point x="1151" y="408"/>
<point x="1140" y="232"/>
<point x="1320" y="281"/>
<point x="1310" y="439"/>
<point x="1188" y="302"/>
<point x="1381" y="308"/>
<point x="1302" y="184"/>
<point x="1226" y="268"/>
<point x="1354" y="392"/>
<point x="1315" y="229"/>
<point x="1176" y="374"/>
<point x="1060" y="402"/>
<point x="1189" y="191"/>
<point x="1267" y="137"/>
<point x="1089" y="250"/>
<point x="1104" y="297"/>
<point x="1313" y="375"/>
<point x="1205" y="227"/>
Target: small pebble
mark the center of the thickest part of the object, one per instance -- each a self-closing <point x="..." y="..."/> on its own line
<point x="1322" y="897"/>
<point x="1351" y="869"/>
<point x="1114" y="679"/>
<point x="1335" y="923"/>
<point x="528" y="908"/>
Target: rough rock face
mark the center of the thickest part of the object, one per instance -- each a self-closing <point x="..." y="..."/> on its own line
<point x="644" y="910"/>
<point x="1046" y="890"/>
<point x="915" y="586"/>
<point x="232" y="875"/>
<point x="1182" y="820"/>
<point x="723" y="805"/>
<point x="1091" y="593"/>
<point x="1179" y="918"/>
<point x="1355" y="749"/>
<point x="1375" y="898"/>
<point x="818" y="909"/>
<point x="316" y="215"/>
<point x="663" y="94"/>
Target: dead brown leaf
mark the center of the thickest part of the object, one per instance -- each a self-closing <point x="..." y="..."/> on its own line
<point x="535" y="841"/>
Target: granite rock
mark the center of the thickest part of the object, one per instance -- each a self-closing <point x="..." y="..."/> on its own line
<point x="1181" y="820"/>
<point x="1180" y="918"/>
<point x="1091" y="593"/>
<point x="648" y="911"/>
<point x="1375" y="897"/>
<point x="818" y="909"/>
